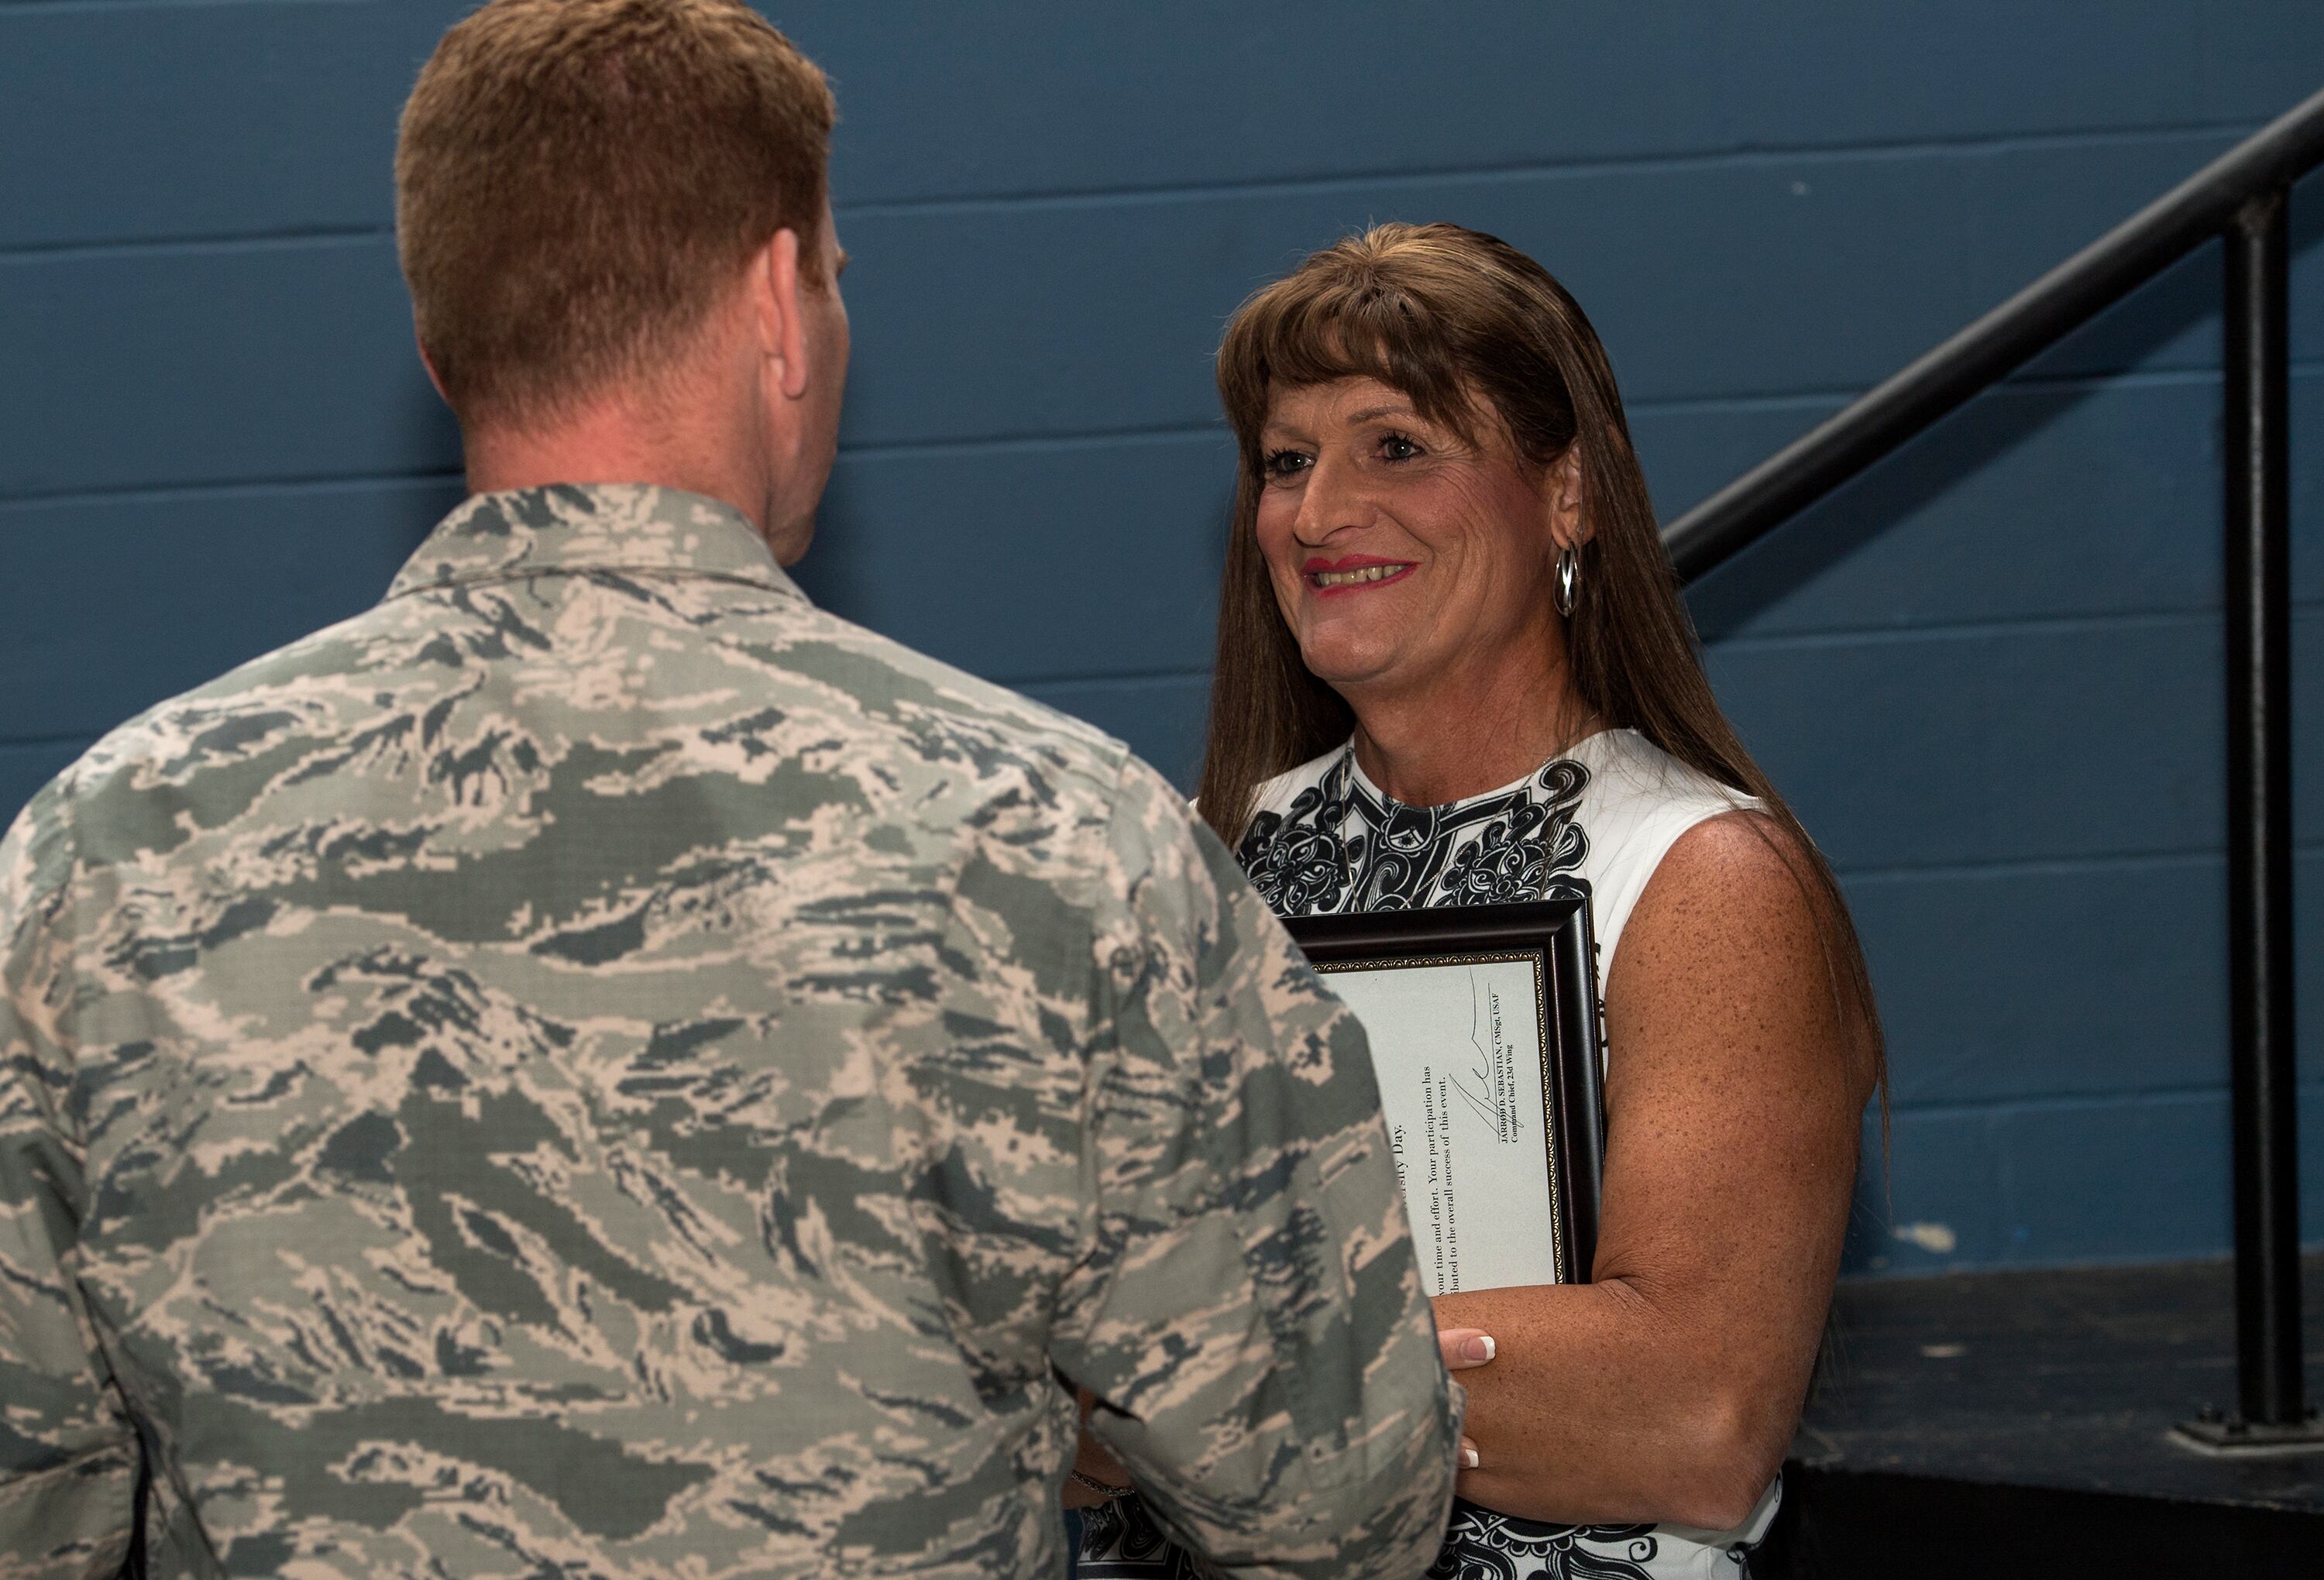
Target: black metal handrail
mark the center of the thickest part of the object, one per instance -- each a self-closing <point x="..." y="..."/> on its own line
<point x="2243" y="197"/>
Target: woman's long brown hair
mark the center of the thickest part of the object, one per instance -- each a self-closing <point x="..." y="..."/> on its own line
<point x="1465" y="327"/>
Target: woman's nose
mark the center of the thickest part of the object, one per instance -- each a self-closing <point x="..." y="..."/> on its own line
<point x="1327" y="505"/>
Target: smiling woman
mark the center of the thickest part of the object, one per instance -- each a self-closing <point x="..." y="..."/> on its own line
<point x="1454" y="669"/>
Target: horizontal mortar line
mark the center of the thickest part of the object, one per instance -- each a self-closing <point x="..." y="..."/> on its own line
<point x="1736" y="401"/>
<point x="1741" y="400"/>
<point x="1906" y="872"/>
<point x="2065" y="1102"/>
<point x="2033" y="624"/>
<point x="1087" y="679"/>
<point x="2028" y="625"/>
<point x="2034" y="866"/>
<point x="54" y="6"/>
<point x="30" y="742"/>
<point x="33" y="254"/>
<point x="1766" y="155"/>
<point x="1753" y="156"/>
<point x="2021" y="381"/>
<point x="2055" y="137"/>
<point x="1060" y="439"/>
<point x="2144" y="378"/>
<point x="2014" y="1259"/>
<point x="167" y="492"/>
<point x="1064" y="439"/>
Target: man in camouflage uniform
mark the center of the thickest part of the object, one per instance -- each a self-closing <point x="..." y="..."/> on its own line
<point x="596" y="1066"/>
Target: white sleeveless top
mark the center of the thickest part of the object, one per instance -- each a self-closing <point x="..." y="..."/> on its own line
<point x="1598" y="820"/>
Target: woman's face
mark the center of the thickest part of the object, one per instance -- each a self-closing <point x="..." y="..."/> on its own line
<point x="1404" y="557"/>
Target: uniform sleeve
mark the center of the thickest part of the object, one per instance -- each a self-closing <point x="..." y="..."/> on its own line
<point x="67" y="1457"/>
<point x="1249" y="1313"/>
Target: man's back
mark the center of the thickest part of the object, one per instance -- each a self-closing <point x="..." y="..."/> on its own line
<point x="595" y="1064"/>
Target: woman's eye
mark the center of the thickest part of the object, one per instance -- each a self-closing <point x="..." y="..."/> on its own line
<point x="1397" y="447"/>
<point x="1280" y="463"/>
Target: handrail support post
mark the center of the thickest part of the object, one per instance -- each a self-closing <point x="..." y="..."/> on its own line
<point x="2272" y="1390"/>
<point x="2271" y="1398"/>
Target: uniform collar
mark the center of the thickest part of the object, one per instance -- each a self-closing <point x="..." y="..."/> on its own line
<point x="571" y="528"/>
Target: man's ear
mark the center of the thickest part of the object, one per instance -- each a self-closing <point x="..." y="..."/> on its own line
<point x="1569" y="523"/>
<point x="774" y="288"/>
<point x="426" y="361"/>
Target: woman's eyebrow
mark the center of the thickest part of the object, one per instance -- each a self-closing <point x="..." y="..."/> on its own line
<point x="1372" y="413"/>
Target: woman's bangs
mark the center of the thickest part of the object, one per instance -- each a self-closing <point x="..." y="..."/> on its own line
<point x="1359" y="334"/>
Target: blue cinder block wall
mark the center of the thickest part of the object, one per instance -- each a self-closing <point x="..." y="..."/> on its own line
<point x="1989" y="672"/>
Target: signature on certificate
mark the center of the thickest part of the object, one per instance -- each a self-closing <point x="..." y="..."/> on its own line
<point x="1487" y="1086"/>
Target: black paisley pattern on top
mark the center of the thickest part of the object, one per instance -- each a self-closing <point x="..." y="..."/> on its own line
<point x="1120" y="1541"/>
<point x="1341" y="846"/>
<point x="1482" y="1545"/>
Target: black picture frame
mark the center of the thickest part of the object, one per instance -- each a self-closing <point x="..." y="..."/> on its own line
<point x="1556" y="931"/>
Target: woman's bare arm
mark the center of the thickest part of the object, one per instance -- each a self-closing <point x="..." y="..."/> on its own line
<point x="1667" y="1388"/>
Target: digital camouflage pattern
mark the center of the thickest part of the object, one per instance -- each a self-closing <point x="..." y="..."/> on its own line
<point x="595" y="1067"/>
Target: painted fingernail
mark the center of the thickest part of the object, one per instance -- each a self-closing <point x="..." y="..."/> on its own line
<point x="1468" y="1455"/>
<point x="1479" y="1349"/>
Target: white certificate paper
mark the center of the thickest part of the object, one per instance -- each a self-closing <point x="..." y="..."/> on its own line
<point x="1458" y="1050"/>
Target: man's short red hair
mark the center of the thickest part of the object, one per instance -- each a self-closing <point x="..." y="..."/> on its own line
<point x="576" y="181"/>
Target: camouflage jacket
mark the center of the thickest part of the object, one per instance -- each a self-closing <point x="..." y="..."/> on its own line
<point x="595" y="1066"/>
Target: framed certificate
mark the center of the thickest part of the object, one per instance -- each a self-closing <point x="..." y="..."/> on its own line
<point x="1485" y="1035"/>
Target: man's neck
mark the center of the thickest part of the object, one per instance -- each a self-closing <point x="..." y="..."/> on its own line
<point x="609" y="444"/>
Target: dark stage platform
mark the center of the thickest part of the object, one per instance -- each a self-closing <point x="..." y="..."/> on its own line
<point x="2009" y="1424"/>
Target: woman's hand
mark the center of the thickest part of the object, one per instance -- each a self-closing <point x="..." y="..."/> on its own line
<point x="1465" y="1348"/>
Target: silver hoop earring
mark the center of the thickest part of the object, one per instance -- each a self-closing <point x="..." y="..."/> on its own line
<point x="1569" y="581"/>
